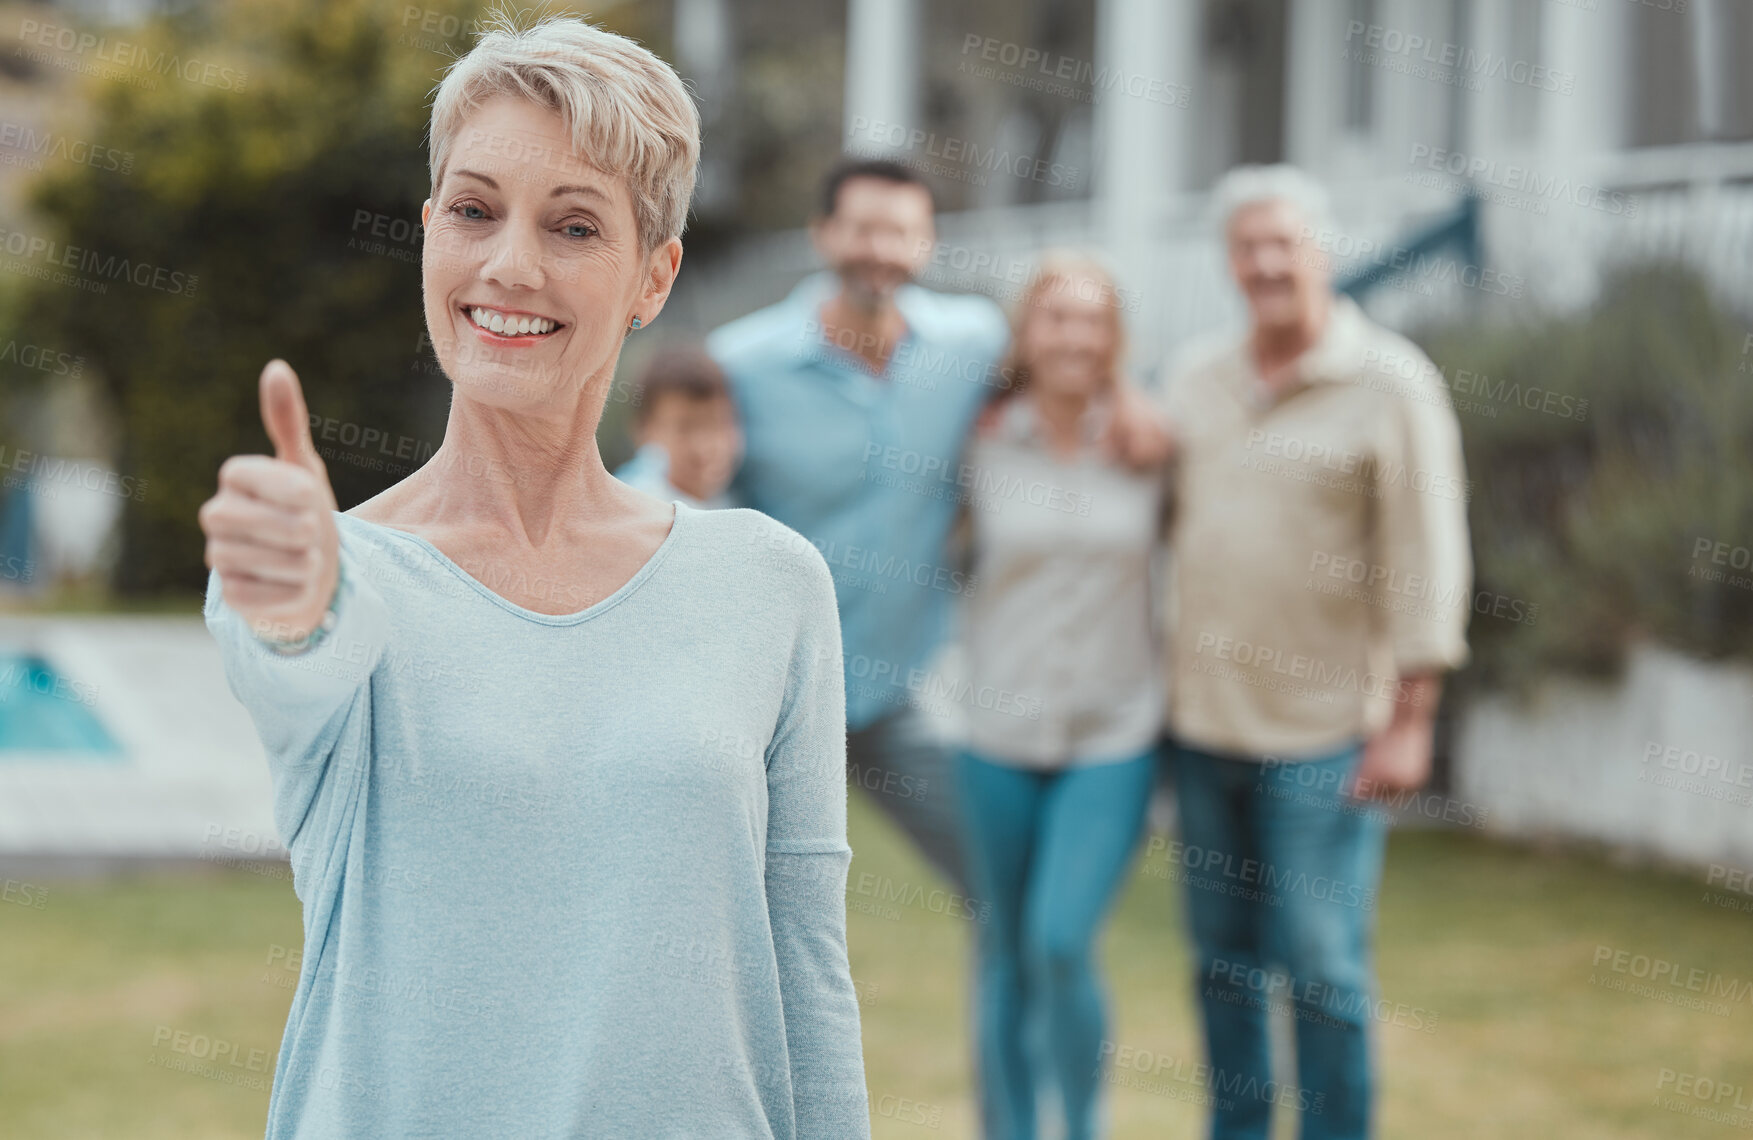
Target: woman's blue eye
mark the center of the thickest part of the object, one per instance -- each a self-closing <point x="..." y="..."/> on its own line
<point x="578" y="226"/>
<point x="464" y="208"/>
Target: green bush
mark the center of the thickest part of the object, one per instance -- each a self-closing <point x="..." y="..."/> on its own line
<point x="289" y="201"/>
<point x="1592" y="501"/>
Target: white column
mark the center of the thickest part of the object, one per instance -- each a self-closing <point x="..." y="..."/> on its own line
<point x="1585" y="50"/>
<point x="1315" y="82"/>
<point x="1146" y="61"/>
<point x="882" y="68"/>
<point x="706" y="56"/>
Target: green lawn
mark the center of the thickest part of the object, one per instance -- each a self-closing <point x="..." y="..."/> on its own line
<point x="1497" y="942"/>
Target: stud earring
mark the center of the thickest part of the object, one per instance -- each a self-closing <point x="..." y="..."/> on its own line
<point x="636" y="322"/>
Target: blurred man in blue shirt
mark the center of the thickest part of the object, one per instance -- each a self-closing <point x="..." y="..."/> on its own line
<point x="856" y="394"/>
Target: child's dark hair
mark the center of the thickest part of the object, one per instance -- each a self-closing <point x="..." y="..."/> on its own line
<point x="684" y="371"/>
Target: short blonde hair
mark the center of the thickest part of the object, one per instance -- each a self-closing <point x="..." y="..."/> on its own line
<point x="629" y="113"/>
<point x="1058" y="268"/>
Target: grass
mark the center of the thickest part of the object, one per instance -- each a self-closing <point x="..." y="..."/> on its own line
<point x="1498" y="942"/>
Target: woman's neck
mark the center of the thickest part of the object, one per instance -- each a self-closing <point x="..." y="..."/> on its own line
<point x="520" y="475"/>
<point x="1061" y="415"/>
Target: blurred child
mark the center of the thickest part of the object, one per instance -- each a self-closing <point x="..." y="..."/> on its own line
<point x="686" y="429"/>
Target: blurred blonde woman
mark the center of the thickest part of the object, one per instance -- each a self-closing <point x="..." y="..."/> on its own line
<point x="561" y="765"/>
<point x="1057" y="771"/>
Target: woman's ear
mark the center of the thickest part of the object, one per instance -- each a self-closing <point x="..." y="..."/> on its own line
<point x="426" y="213"/>
<point x="661" y="270"/>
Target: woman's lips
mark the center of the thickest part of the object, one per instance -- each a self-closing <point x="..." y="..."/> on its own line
<point x="512" y="326"/>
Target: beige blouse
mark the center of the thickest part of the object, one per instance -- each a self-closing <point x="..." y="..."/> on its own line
<point x="1061" y="637"/>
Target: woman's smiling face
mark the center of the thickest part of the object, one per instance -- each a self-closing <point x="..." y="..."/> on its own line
<point x="532" y="269"/>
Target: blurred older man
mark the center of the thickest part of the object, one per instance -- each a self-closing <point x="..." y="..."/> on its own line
<point x="1318" y="591"/>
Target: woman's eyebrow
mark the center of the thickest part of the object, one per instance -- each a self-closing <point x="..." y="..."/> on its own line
<point x="587" y="191"/>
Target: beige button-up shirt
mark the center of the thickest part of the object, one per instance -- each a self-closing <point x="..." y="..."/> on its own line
<point x="1061" y="630"/>
<point x="1319" y="552"/>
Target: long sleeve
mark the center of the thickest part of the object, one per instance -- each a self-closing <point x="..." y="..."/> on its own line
<point x="293" y="699"/>
<point x="1422" y="532"/>
<point x="807" y="863"/>
<point x="301" y="703"/>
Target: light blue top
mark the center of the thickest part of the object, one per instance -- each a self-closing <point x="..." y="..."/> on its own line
<point x="867" y="467"/>
<point x="565" y="876"/>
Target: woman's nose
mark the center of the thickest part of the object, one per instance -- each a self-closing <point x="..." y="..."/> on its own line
<point x="513" y="259"/>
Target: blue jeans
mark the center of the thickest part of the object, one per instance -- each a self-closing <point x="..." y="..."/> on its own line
<point x="1282" y="871"/>
<point x="1047" y="852"/>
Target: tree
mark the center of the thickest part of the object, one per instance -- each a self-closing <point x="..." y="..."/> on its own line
<point x="271" y="211"/>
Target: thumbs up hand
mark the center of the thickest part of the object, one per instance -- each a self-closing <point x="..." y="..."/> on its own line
<point x="270" y="531"/>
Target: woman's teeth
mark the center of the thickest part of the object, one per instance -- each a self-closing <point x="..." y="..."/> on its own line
<point x="511" y="326"/>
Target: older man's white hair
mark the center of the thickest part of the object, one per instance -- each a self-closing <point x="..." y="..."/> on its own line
<point x="1251" y="185"/>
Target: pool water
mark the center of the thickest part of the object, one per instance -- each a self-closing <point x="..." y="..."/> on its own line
<point x="43" y="711"/>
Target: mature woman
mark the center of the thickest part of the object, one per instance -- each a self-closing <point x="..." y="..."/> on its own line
<point x="561" y="766"/>
<point x="1057" y="773"/>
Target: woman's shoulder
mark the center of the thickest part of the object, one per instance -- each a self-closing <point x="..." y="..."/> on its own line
<point x="746" y="541"/>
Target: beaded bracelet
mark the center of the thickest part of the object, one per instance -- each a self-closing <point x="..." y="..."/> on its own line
<point x="331" y="618"/>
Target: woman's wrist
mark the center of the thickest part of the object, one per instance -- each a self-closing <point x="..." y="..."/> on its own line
<point x="318" y="633"/>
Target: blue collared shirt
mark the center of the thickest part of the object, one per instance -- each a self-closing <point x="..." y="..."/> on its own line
<point x="868" y="467"/>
